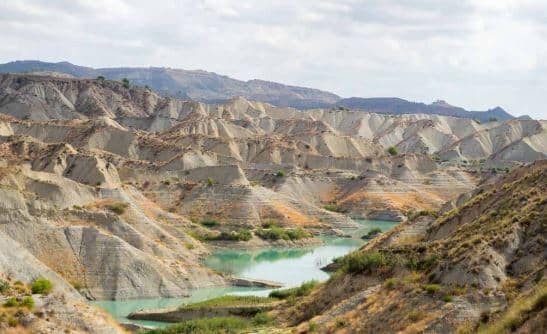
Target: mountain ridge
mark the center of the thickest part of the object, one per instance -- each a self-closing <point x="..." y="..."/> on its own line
<point x="210" y="87"/>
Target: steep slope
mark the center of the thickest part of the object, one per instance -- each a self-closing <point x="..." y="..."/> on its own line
<point x="480" y="267"/>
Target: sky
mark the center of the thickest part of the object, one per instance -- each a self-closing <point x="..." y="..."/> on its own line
<point x="477" y="54"/>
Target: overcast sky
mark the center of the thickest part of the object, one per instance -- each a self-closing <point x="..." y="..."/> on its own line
<point x="476" y="54"/>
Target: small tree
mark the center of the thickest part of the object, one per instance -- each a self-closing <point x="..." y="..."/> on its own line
<point x="100" y="78"/>
<point x="125" y="82"/>
<point x="392" y="150"/>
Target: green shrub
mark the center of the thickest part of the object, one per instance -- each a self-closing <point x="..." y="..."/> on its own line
<point x="209" y="222"/>
<point x="210" y="182"/>
<point x="416" y="316"/>
<point x="117" y="208"/>
<point x="224" y="325"/>
<point x="269" y="223"/>
<point x="41" y="286"/>
<point x="431" y="288"/>
<point x="11" y="302"/>
<point x="241" y="235"/>
<point x="262" y="319"/>
<point x="13" y="322"/>
<point x="332" y="208"/>
<point x="312" y="327"/>
<point x="125" y="82"/>
<point x="278" y="233"/>
<point x="27" y="302"/>
<point x="369" y="261"/>
<point x="4" y="286"/>
<point x="392" y="150"/>
<point x="372" y="233"/>
<point x="100" y="78"/>
<point x="447" y="298"/>
<point x="280" y="173"/>
<point x="303" y="290"/>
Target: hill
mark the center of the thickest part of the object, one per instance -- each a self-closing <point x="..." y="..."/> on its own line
<point x="479" y="267"/>
<point x="213" y="88"/>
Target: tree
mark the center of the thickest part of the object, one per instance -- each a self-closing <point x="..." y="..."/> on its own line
<point x="100" y="78"/>
<point x="125" y="82"/>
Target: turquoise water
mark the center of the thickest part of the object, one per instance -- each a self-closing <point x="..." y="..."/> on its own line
<point x="289" y="266"/>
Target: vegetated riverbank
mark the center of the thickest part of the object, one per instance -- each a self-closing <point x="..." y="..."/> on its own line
<point x="289" y="266"/>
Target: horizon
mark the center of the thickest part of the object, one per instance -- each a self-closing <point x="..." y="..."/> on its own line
<point x="464" y="53"/>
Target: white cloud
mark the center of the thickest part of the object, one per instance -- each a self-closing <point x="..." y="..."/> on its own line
<point x="477" y="54"/>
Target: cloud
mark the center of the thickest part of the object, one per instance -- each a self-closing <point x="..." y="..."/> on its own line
<point x="475" y="53"/>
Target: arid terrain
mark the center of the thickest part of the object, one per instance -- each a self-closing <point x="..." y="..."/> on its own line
<point x="114" y="191"/>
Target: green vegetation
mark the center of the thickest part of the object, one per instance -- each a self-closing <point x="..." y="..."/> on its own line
<point x="100" y="78"/>
<point x="41" y="286"/>
<point x="4" y="286"/>
<point x="262" y="319"/>
<point x="240" y="235"/>
<point x="372" y="233"/>
<point x="416" y="316"/>
<point x="125" y="82"/>
<point x="412" y="214"/>
<point x="521" y="310"/>
<point x="269" y="223"/>
<point x="117" y="208"/>
<point x="368" y="261"/>
<point x="303" y="290"/>
<point x="280" y="173"/>
<point x="209" y="222"/>
<point x="392" y="150"/>
<point x="333" y="208"/>
<point x="225" y="301"/>
<point x="11" y="302"/>
<point x="224" y="325"/>
<point x="340" y="323"/>
<point x="210" y="182"/>
<point x="312" y="327"/>
<point x="447" y="298"/>
<point x="278" y="233"/>
<point x="431" y="288"/>
<point x="27" y="302"/>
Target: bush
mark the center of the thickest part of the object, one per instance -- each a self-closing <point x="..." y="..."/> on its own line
<point x="332" y="207"/>
<point x="392" y="150"/>
<point x="303" y="290"/>
<point x="210" y="182"/>
<point x="431" y="288"/>
<point x="372" y="233"/>
<point x="416" y="316"/>
<point x="262" y="319"/>
<point x="226" y="301"/>
<point x="368" y="261"/>
<point x="280" y="173"/>
<point x="100" y="78"/>
<point x="447" y="298"/>
<point x="27" y="302"/>
<point x="269" y="223"/>
<point x="241" y="235"/>
<point x="312" y="327"/>
<point x="340" y="323"/>
<point x="11" y="302"/>
<point x="278" y="233"/>
<point x="117" y="208"/>
<point x="125" y="82"/>
<point x="209" y="222"/>
<point x="41" y="286"/>
<point x="4" y="286"/>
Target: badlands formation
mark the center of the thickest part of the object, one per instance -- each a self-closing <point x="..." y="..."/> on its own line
<point x="106" y="186"/>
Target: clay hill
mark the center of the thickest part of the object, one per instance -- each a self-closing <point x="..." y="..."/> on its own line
<point x="210" y="87"/>
<point x="114" y="191"/>
<point x="477" y="268"/>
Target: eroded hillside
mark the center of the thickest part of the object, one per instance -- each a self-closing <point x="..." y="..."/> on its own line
<point x="120" y="191"/>
<point x="478" y="267"/>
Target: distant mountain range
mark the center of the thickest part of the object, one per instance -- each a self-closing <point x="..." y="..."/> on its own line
<point x="211" y="87"/>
